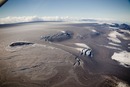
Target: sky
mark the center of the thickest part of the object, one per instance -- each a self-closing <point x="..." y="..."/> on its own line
<point x="102" y="9"/>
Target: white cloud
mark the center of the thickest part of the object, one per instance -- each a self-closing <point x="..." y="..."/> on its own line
<point x="8" y="20"/>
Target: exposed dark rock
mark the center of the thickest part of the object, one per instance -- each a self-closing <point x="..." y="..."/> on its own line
<point x="95" y="34"/>
<point x="124" y="26"/>
<point x="87" y="52"/>
<point x="105" y="24"/>
<point x="61" y="36"/>
<point x="114" y="25"/>
<point x="77" y="61"/>
<point x="121" y="26"/>
<point x="20" y="44"/>
<point x="121" y="32"/>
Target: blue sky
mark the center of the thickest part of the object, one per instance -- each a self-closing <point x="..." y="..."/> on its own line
<point x="111" y="9"/>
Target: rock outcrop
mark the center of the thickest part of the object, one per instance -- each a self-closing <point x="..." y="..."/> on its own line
<point x="124" y="26"/>
<point x="14" y="44"/>
<point x="95" y="34"/>
<point x="61" y="36"/>
<point x="114" y="25"/>
<point x="87" y="52"/>
<point x="121" y="26"/>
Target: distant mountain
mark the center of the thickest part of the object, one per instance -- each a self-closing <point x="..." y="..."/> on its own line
<point x="114" y="25"/>
<point x="93" y="20"/>
<point x="124" y="26"/>
<point x="121" y="26"/>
